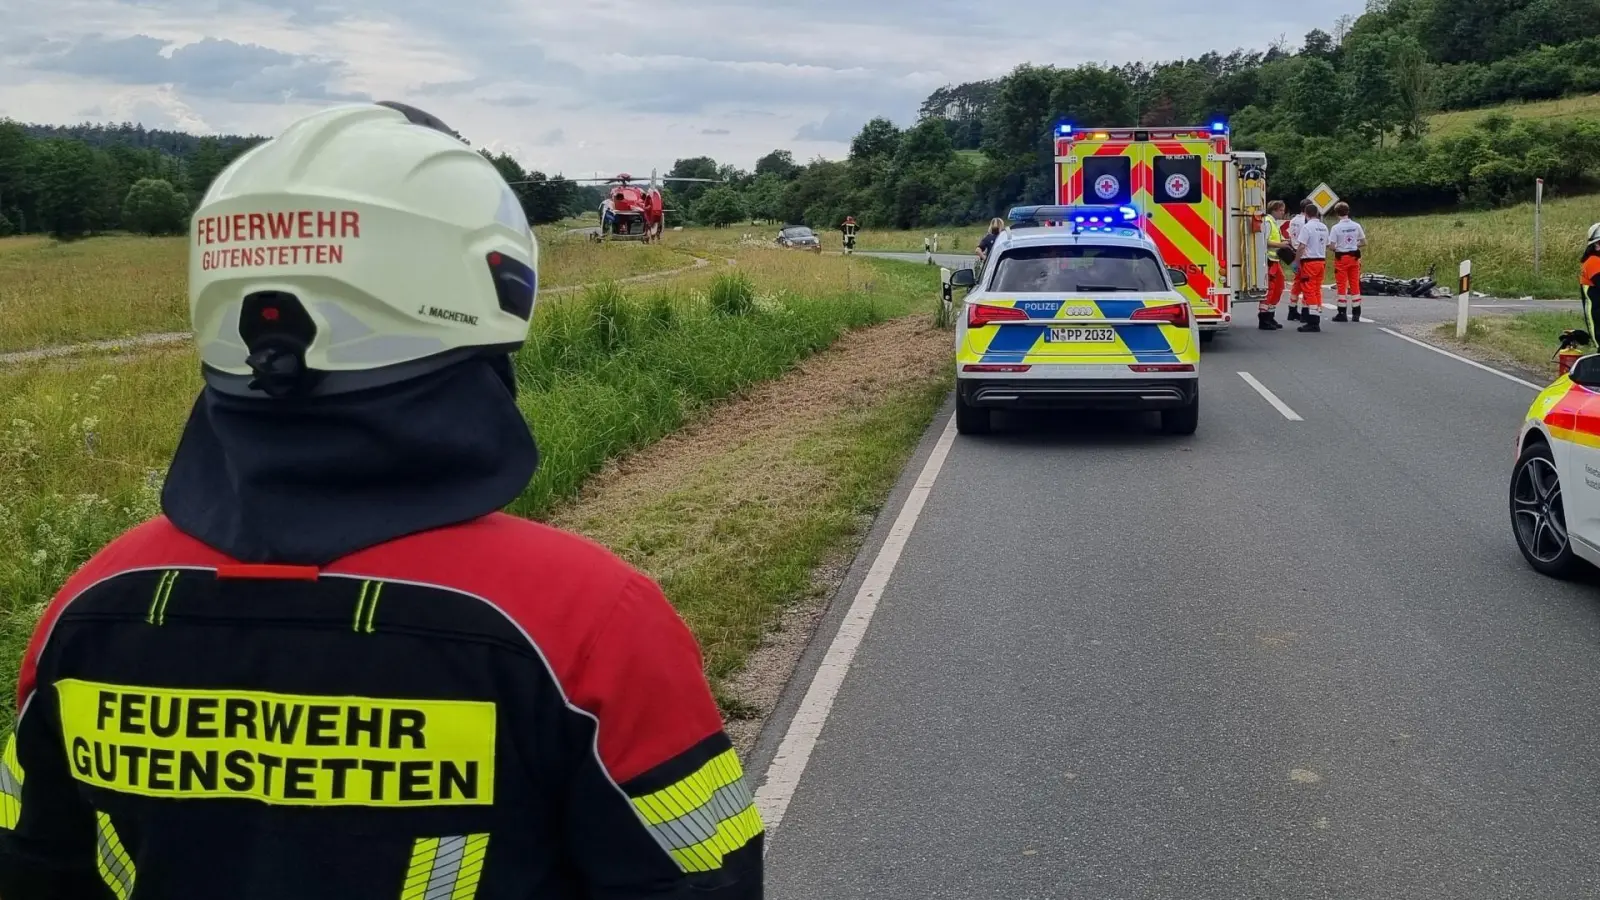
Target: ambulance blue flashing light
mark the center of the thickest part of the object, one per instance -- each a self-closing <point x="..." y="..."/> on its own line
<point x="1219" y="127"/>
<point x="1121" y="220"/>
<point x="1064" y="128"/>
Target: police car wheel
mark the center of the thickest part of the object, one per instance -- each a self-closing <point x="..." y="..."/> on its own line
<point x="1183" y="419"/>
<point x="972" y="419"/>
<point x="1538" y="516"/>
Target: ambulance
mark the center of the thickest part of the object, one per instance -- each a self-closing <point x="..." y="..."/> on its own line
<point x="1202" y="203"/>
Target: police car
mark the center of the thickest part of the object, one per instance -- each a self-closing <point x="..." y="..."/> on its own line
<point x="1075" y="310"/>
<point x="1555" y="507"/>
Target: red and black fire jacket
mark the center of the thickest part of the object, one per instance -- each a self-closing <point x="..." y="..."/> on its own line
<point x="491" y="710"/>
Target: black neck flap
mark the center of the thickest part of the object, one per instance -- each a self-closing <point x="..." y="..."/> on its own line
<point x="306" y="482"/>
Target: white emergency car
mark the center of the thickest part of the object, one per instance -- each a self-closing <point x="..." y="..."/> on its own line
<point x="1555" y="482"/>
<point x="1074" y="310"/>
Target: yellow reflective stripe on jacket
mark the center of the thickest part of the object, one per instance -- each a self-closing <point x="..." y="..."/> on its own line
<point x="705" y="816"/>
<point x="10" y="786"/>
<point x="445" y="868"/>
<point x="116" y="866"/>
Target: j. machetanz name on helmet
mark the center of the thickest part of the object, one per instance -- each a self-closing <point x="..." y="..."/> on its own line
<point x="314" y="234"/>
<point x="448" y="315"/>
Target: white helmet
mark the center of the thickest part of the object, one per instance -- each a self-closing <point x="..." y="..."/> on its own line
<point x="364" y="246"/>
<point x="1594" y="235"/>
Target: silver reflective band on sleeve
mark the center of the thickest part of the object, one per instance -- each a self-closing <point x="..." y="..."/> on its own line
<point x="116" y="866"/>
<point x="703" y="817"/>
<point x="10" y="786"/>
<point x="700" y="824"/>
<point x="445" y="868"/>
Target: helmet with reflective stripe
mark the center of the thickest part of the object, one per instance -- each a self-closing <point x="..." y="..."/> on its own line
<point x="364" y="246"/>
<point x="1594" y="235"/>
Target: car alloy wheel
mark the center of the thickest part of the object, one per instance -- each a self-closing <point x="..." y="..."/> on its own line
<point x="1538" y="515"/>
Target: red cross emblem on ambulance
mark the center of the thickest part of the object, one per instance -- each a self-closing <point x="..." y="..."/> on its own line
<point x="1177" y="186"/>
<point x="1107" y="186"/>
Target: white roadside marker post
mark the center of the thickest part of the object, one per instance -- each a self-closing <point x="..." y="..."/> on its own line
<point x="1463" y="297"/>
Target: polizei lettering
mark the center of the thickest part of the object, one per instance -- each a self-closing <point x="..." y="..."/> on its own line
<point x="279" y="748"/>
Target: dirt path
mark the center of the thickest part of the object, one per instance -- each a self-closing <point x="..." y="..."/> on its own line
<point x="767" y="449"/>
<point x="158" y="339"/>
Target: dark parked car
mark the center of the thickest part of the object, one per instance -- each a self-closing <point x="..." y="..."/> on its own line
<point x="799" y="237"/>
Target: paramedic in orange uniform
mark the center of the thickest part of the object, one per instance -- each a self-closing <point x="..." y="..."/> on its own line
<point x="1292" y="234"/>
<point x="1589" y="276"/>
<point x="1348" y="238"/>
<point x="1311" y="252"/>
<point x="1277" y="248"/>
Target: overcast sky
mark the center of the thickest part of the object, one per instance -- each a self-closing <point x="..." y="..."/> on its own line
<point x="585" y="86"/>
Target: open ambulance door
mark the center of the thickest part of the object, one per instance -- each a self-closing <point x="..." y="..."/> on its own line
<point x="1247" y="243"/>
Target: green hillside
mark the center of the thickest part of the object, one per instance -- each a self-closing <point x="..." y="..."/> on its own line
<point x="1584" y="108"/>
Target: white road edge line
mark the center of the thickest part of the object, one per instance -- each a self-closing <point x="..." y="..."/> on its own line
<point x="1272" y="398"/>
<point x="1475" y="364"/>
<point x="783" y="776"/>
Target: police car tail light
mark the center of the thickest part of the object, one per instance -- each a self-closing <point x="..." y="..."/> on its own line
<point x="1176" y="314"/>
<point x="1162" y="367"/>
<point x="980" y="314"/>
<point x="987" y="367"/>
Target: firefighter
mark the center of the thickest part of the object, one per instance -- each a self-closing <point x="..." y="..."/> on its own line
<point x="1589" y="277"/>
<point x="1347" y="237"/>
<point x="1311" y="255"/>
<point x="1292" y="235"/>
<point x="849" y="229"/>
<point x="332" y="669"/>
<point x="1278" y="254"/>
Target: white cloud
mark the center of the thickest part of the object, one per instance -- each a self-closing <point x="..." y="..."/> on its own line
<point x="600" y="86"/>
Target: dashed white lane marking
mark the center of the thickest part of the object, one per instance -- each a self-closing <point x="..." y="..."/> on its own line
<point x="1272" y="398"/>
<point x="1473" y="363"/>
<point x="783" y="776"/>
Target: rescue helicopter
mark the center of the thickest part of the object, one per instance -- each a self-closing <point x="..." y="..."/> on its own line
<point x="633" y="211"/>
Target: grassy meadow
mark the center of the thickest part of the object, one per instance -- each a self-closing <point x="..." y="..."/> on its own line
<point x="1584" y="108"/>
<point x="118" y="286"/>
<point x="1526" y="339"/>
<point x="608" y="370"/>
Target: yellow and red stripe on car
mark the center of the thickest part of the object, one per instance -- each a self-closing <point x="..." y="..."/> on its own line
<point x="1569" y="412"/>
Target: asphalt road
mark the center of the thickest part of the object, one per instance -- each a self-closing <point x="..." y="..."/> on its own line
<point x="1280" y="659"/>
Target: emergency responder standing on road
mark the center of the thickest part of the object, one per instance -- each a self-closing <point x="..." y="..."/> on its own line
<point x="1589" y="278"/>
<point x="1311" y="256"/>
<point x="1347" y="237"/>
<point x="849" y="228"/>
<point x="1278" y="255"/>
<point x="332" y="669"/>
<point x="1292" y="236"/>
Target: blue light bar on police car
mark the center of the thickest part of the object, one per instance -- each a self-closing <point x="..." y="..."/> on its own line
<point x="1107" y="219"/>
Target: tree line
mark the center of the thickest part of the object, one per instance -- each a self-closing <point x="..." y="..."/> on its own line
<point x="1348" y="106"/>
<point x="73" y="181"/>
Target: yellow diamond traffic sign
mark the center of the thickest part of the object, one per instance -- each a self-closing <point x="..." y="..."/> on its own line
<point x="1324" y="198"/>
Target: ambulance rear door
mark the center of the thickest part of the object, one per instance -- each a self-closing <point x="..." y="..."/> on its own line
<point x="1182" y="187"/>
<point x="1247" y="242"/>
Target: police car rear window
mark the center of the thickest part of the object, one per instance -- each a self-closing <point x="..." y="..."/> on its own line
<point x="1074" y="269"/>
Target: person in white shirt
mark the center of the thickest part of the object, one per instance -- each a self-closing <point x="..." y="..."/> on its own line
<point x="1292" y="232"/>
<point x="1347" y="237"/>
<point x="1311" y="252"/>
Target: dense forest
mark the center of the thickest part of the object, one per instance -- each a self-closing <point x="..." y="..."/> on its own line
<point x="1348" y="106"/>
